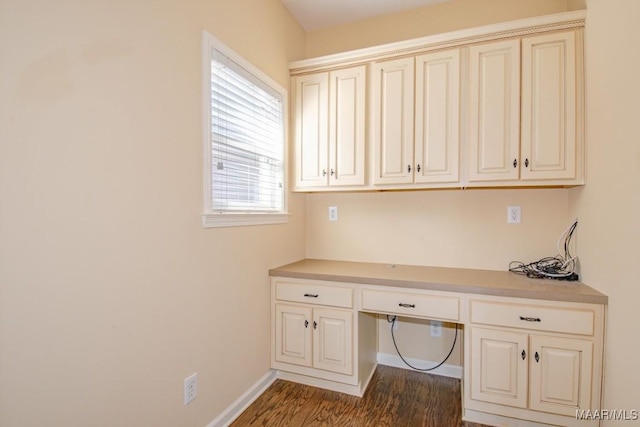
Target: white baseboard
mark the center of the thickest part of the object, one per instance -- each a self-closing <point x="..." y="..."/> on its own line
<point x="236" y="408"/>
<point x="445" y="370"/>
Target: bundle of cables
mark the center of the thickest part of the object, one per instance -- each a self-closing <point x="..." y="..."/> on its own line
<point x="561" y="267"/>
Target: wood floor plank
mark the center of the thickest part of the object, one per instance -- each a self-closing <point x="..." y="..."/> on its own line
<point x="395" y="398"/>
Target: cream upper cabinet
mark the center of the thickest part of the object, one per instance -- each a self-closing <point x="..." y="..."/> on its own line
<point x="330" y="128"/>
<point x="494" y="111"/>
<point x="392" y="121"/>
<point x="437" y="115"/>
<point x="347" y="126"/>
<point x="416" y="108"/>
<point x="524" y="101"/>
<point x="311" y="94"/>
<point x="549" y="106"/>
<point x="482" y="107"/>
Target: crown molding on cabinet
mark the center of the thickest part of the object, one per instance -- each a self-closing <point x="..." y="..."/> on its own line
<point x="559" y="21"/>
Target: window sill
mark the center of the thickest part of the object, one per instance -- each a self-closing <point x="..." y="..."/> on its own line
<point x="242" y="219"/>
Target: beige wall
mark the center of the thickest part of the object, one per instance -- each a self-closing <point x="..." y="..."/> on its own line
<point x="609" y="205"/>
<point x="435" y="19"/>
<point x="453" y="228"/>
<point x="111" y="292"/>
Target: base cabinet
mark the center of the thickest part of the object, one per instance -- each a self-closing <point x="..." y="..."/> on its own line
<point x="319" y="338"/>
<point x="315" y="337"/>
<point x="536" y="361"/>
<point x="533" y="350"/>
<point x="498" y="372"/>
<point x="527" y="362"/>
<point x="538" y="372"/>
<point x="561" y="371"/>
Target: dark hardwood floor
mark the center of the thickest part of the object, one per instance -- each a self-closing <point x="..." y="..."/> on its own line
<point x="395" y="397"/>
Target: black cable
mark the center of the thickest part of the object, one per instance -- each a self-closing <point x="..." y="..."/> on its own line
<point x="455" y="338"/>
<point x="561" y="266"/>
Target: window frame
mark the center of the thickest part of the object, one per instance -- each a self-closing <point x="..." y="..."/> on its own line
<point x="217" y="218"/>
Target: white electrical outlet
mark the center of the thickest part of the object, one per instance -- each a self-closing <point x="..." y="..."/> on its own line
<point x="514" y="215"/>
<point x="190" y="388"/>
<point x="436" y="328"/>
<point x="333" y="213"/>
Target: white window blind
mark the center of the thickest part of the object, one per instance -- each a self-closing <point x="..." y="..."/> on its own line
<point x="246" y="137"/>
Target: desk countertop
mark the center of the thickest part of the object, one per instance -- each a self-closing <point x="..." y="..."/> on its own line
<point x="483" y="282"/>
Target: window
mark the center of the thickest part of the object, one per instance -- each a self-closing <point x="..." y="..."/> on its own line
<point x="245" y="121"/>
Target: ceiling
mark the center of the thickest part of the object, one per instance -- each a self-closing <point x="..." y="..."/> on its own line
<point x="317" y="14"/>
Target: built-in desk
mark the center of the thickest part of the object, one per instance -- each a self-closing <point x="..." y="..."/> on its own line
<point x="533" y="349"/>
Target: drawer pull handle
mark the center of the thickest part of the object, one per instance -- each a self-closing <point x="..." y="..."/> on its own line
<point x="311" y="295"/>
<point x="407" y="305"/>
<point x="530" y="319"/>
<point x="537" y="357"/>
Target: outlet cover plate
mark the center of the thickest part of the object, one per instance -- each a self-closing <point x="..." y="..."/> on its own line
<point x="190" y="388"/>
<point x="514" y="215"/>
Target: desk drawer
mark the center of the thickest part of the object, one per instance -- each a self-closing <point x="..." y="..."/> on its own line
<point x="411" y="304"/>
<point x="315" y="294"/>
<point x="531" y="316"/>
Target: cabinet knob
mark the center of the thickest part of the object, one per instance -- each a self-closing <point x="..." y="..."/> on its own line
<point x="332" y="172"/>
<point x="526" y="163"/>
<point x="523" y="354"/>
<point x="515" y="163"/>
<point x="324" y="172"/>
<point x="315" y="324"/>
<point x="409" y="168"/>
<point x="306" y="323"/>
<point x="418" y="168"/>
<point x="537" y="357"/>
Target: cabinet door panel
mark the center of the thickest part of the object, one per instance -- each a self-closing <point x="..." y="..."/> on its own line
<point x="560" y="374"/>
<point x="494" y="119"/>
<point x="293" y="329"/>
<point x="437" y="117"/>
<point x="392" y="121"/>
<point x="312" y="102"/>
<point x="498" y="371"/>
<point x="549" y="106"/>
<point x="347" y="126"/>
<point x="332" y="340"/>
